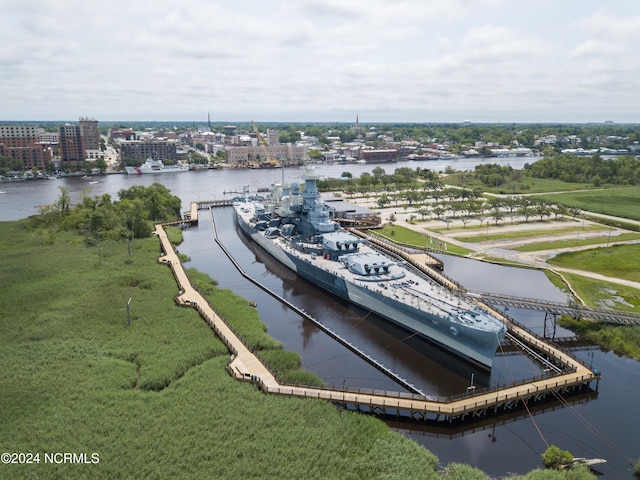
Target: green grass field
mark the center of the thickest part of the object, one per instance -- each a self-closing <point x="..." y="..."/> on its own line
<point x="619" y="201"/>
<point x="410" y="238"/>
<point x="618" y="261"/>
<point x="597" y="293"/>
<point x="603" y="240"/>
<point x="527" y="234"/>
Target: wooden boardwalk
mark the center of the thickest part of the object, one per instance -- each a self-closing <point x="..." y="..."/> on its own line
<point x="244" y="364"/>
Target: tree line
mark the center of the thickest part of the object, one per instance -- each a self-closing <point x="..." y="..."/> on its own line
<point x="623" y="170"/>
<point x="131" y="216"/>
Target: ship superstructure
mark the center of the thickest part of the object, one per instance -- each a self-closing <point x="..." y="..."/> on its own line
<point x="296" y="228"/>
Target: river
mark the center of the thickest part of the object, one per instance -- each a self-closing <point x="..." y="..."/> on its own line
<point x="602" y="425"/>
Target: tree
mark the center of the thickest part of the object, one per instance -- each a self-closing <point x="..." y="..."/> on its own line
<point x="554" y="457"/>
<point x="383" y="200"/>
<point x="526" y="211"/>
<point x="423" y="212"/>
<point x="378" y="173"/>
<point x="101" y="165"/>
<point x="541" y="209"/>
<point x="559" y="209"/>
<point x="64" y="201"/>
<point x="497" y="214"/>
<point x="439" y="211"/>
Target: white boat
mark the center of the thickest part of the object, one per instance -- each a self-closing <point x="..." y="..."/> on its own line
<point x="156" y="166"/>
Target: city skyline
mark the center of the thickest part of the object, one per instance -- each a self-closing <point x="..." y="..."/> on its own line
<point x="494" y="61"/>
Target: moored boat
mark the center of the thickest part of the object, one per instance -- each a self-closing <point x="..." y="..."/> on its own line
<point x="157" y="166"/>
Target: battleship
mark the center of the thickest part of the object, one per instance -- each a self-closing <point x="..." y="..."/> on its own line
<point x="296" y="228"/>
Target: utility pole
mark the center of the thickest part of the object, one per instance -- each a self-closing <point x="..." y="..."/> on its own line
<point x="128" y="313"/>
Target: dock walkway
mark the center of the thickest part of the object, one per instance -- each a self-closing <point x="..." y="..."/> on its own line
<point x="244" y="364"/>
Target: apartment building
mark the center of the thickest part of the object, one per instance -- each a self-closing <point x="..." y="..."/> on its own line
<point x="90" y="133"/>
<point x="140" y="150"/>
<point x="22" y="142"/>
<point x="72" y="151"/>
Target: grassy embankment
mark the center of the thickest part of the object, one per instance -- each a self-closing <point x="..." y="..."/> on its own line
<point x="410" y="238"/>
<point x="603" y="240"/>
<point x="618" y="261"/>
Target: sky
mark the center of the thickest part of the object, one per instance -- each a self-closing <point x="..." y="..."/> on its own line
<point x="321" y="60"/>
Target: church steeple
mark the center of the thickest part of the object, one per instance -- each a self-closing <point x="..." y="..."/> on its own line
<point x="356" y="127"/>
<point x="209" y="121"/>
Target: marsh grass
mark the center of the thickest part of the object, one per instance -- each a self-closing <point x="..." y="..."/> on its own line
<point x="622" y="339"/>
<point x="153" y="399"/>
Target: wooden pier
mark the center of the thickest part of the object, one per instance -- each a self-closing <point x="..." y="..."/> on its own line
<point x="474" y="404"/>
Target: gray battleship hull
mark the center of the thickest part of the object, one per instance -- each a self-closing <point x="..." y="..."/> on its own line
<point x="476" y="347"/>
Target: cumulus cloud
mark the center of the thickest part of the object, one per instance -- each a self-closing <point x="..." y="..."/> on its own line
<point x="409" y="60"/>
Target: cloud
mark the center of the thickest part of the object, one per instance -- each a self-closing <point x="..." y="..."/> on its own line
<point x="596" y="49"/>
<point x="419" y="59"/>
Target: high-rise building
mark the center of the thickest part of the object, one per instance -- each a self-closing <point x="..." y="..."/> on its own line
<point x="90" y="133"/>
<point x="22" y="142"/>
<point x="72" y="152"/>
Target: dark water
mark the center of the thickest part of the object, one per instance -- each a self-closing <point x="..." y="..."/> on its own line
<point x="603" y="425"/>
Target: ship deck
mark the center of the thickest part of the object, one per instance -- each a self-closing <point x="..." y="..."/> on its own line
<point x="399" y="284"/>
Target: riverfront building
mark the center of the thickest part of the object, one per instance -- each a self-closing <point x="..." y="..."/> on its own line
<point x="90" y="133"/>
<point x="79" y="143"/>
<point x="137" y="151"/>
<point x="22" y="142"/>
<point x="71" y="146"/>
<point x="90" y="138"/>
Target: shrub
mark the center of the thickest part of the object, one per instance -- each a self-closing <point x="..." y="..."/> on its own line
<point x="553" y="457"/>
